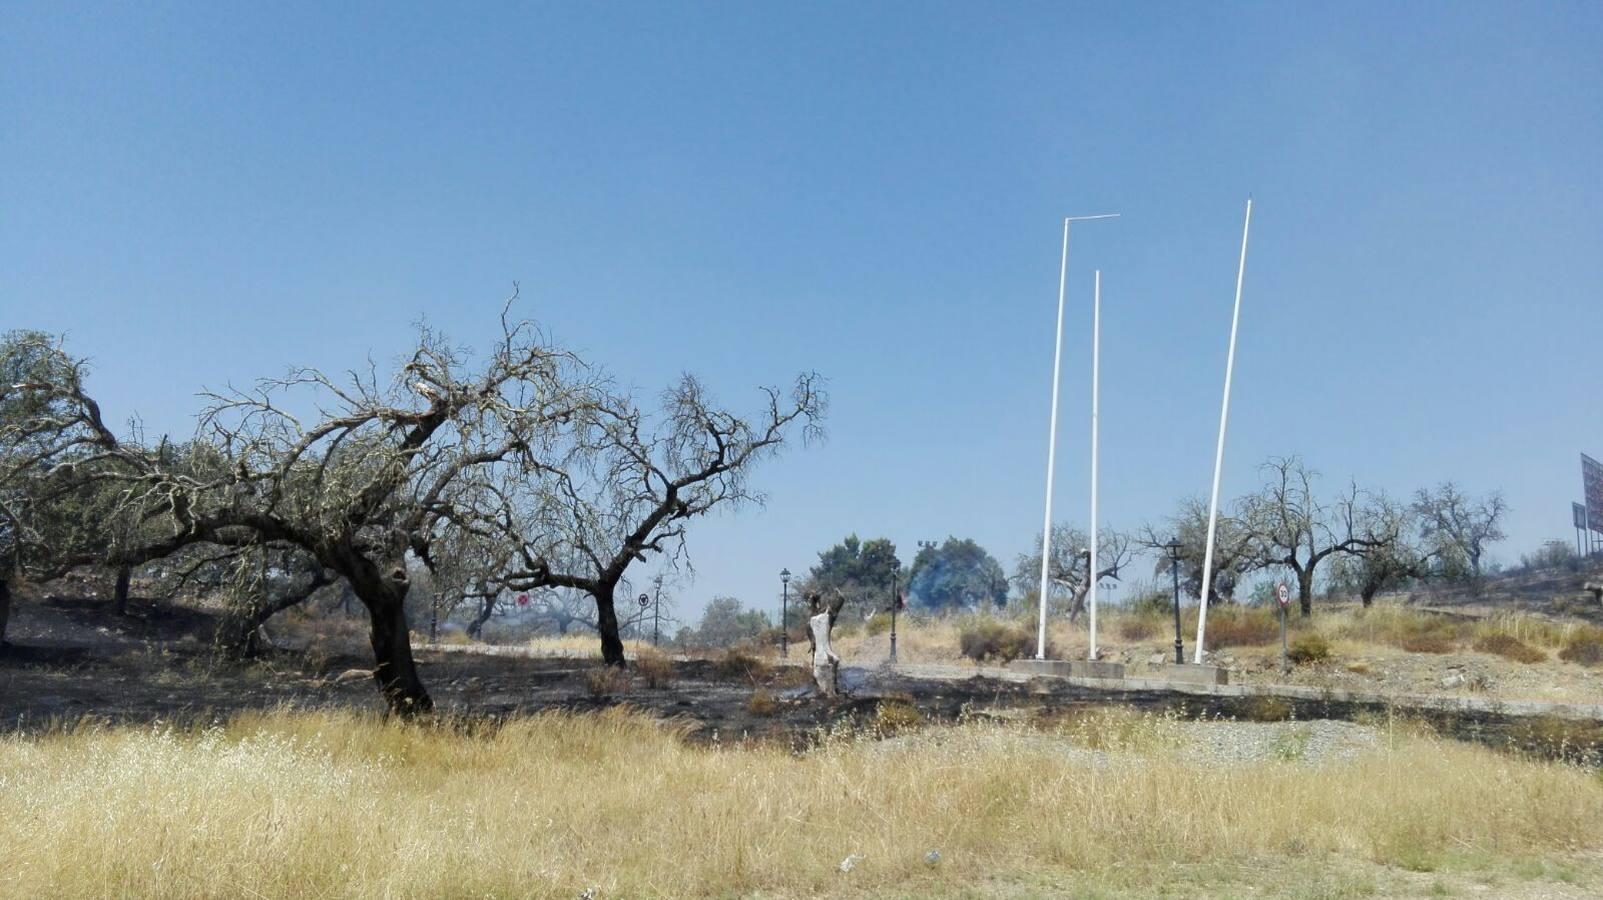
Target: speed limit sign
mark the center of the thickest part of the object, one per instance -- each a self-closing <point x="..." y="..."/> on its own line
<point x="645" y="601"/>
<point x="1282" y="593"/>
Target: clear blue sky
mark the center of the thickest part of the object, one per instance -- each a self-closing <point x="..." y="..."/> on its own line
<point x="208" y="193"/>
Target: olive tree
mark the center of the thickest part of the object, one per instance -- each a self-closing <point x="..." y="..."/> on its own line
<point x="357" y="473"/>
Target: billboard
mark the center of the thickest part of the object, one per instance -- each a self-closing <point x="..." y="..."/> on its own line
<point x="1592" y="481"/>
<point x="1579" y="513"/>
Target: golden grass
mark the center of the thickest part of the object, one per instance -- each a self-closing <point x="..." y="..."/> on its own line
<point x="337" y="804"/>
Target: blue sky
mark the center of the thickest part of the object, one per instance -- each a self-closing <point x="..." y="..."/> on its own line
<point x="206" y="194"/>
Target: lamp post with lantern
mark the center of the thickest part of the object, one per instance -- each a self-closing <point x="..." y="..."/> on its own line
<point x="784" y="613"/>
<point x="1174" y="548"/>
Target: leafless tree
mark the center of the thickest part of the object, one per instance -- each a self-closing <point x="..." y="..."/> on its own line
<point x="1070" y="564"/>
<point x="1233" y="551"/>
<point x="1459" y="527"/>
<point x="636" y="479"/>
<point x="1292" y="527"/>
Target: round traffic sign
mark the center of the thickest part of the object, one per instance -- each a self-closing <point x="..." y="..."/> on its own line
<point x="1283" y="593"/>
<point x="645" y="601"/>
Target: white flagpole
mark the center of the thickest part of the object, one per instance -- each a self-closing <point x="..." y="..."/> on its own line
<point x="1051" y="455"/>
<point x="1096" y="368"/>
<point x="1219" y="453"/>
<point x="1052" y="439"/>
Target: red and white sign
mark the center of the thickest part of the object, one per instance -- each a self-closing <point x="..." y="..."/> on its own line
<point x="1283" y="593"/>
<point x="523" y="599"/>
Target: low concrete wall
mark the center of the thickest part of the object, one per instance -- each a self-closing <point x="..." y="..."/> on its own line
<point x="1193" y="673"/>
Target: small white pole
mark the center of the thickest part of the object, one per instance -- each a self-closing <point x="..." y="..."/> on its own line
<point x="1096" y="368"/>
<point x="1052" y="438"/>
<point x="1219" y="453"/>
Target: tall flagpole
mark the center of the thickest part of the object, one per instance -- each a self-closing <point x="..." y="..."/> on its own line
<point x="1096" y="368"/>
<point x="1219" y="453"/>
<point x="1052" y="438"/>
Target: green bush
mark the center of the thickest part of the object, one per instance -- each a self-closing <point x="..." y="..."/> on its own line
<point x="1309" y="648"/>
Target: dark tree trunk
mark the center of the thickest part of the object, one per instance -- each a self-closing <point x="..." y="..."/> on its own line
<point x="607" y="625"/>
<point x="1305" y="592"/>
<point x="476" y="627"/>
<point x="125" y="574"/>
<point x="1367" y="595"/>
<point x="394" y="671"/>
<point x="434" y="621"/>
<point x="5" y="607"/>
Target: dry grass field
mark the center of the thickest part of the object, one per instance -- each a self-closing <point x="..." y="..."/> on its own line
<point x="616" y="804"/>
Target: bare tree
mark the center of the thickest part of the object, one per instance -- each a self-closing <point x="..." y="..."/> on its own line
<point x="1070" y="564"/>
<point x="1292" y="527"/>
<point x="1459" y="527"/>
<point x="1233" y="551"/>
<point x="636" y="480"/>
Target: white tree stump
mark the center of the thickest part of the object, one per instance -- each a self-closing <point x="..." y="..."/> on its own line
<point x="826" y="664"/>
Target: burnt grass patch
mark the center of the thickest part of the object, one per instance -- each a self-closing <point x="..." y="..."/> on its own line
<point x="48" y="687"/>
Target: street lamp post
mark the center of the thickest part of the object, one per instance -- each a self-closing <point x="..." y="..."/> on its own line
<point x="784" y="614"/>
<point x="1174" y="565"/>
<point x="656" y="610"/>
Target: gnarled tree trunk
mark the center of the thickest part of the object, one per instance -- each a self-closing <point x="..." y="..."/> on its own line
<point x="607" y="625"/>
<point x="394" y="669"/>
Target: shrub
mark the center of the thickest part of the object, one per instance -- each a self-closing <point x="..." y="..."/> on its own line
<point x="1237" y="627"/>
<point x="1509" y="647"/>
<point x="878" y="624"/>
<point x="1585" y="647"/>
<point x="604" y="681"/>
<point x="1137" y="628"/>
<point x="1309" y="648"/>
<point x="894" y="716"/>
<point x="1267" y="708"/>
<point x="762" y="703"/>
<point x="986" y="639"/>
<point x="740" y="663"/>
<point x="1427" y="642"/>
<point x="654" y="668"/>
<point x="1155" y="604"/>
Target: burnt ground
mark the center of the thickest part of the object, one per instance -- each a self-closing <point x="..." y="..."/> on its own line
<point x="74" y="660"/>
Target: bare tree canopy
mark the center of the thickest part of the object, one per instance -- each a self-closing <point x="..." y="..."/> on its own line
<point x="1070" y="565"/>
<point x="1457" y="527"/>
<point x="1233" y="551"/>
<point x="1292" y="526"/>
<point x="633" y="481"/>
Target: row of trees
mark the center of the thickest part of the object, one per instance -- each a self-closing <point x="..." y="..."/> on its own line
<point x="1356" y="541"/>
<point x="524" y="470"/>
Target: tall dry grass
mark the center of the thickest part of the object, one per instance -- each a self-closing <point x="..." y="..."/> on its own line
<point x="335" y="804"/>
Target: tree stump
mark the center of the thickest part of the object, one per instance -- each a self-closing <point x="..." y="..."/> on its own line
<point x="826" y="664"/>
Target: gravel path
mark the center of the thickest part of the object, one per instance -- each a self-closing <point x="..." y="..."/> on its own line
<point x="1317" y="742"/>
